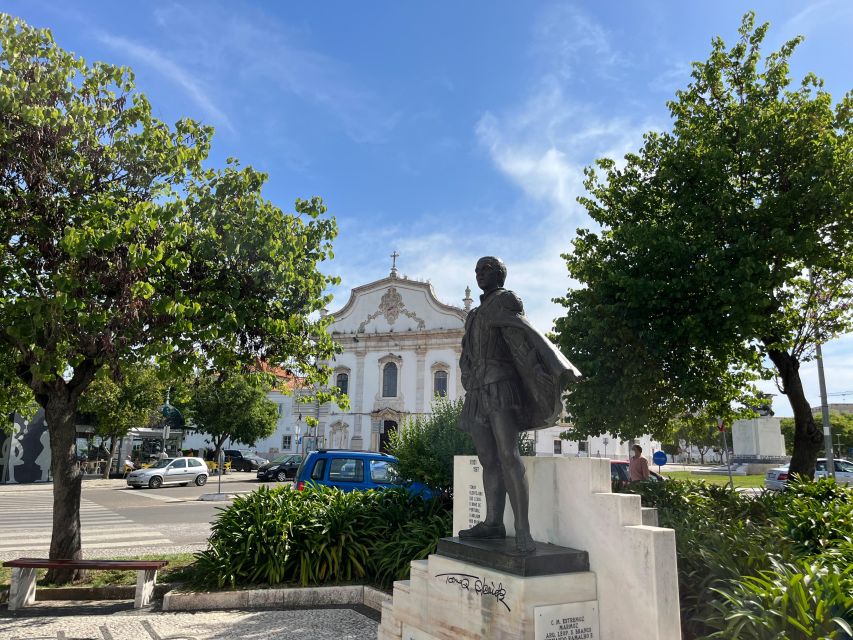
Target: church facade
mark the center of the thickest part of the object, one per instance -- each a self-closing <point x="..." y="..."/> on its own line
<point x="401" y="348"/>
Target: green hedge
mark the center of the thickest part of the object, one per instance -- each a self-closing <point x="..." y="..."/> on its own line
<point x="320" y="535"/>
<point x="770" y="566"/>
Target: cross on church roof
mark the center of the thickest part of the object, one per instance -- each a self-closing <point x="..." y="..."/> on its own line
<point x="394" y="257"/>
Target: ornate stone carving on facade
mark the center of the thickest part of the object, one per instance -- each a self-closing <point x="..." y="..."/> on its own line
<point x="391" y="306"/>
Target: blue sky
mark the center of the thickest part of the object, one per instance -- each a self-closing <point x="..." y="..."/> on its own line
<point x="442" y="130"/>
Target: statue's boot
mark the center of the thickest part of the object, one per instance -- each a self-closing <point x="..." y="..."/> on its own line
<point x="483" y="531"/>
<point x="523" y="542"/>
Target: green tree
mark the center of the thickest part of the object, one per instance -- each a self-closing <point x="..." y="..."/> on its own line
<point x="698" y="280"/>
<point x="426" y="446"/>
<point x="121" y="400"/>
<point x="699" y="431"/>
<point x="118" y="246"/>
<point x="235" y="409"/>
<point x="842" y="432"/>
<point x="15" y="396"/>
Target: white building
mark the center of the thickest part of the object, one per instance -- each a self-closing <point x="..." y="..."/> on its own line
<point x="401" y="348"/>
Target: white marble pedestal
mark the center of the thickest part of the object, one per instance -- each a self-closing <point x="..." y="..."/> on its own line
<point x="449" y="599"/>
<point x="632" y="582"/>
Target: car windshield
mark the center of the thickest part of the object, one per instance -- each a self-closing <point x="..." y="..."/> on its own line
<point x="161" y="463"/>
<point x="288" y="457"/>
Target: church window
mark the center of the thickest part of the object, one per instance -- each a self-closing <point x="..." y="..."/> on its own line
<point x="440" y="384"/>
<point x="343" y="383"/>
<point x="389" y="380"/>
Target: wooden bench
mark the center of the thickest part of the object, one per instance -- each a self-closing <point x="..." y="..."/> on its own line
<point x="22" y="591"/>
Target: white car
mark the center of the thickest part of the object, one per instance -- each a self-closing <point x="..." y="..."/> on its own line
<point x="777" y="478"/>
<point x="170" y="471"/>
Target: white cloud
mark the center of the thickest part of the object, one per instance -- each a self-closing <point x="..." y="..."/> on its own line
<point x="814" y="16"/>
<point x="567" y="38"/>
<point x="171" y="70"/>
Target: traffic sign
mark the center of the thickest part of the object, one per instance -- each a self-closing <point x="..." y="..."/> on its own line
<point x="659" y="458"/>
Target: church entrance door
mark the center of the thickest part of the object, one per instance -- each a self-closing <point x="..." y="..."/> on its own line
<point x="387" y="427"/>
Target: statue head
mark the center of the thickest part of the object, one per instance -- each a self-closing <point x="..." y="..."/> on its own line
<point x="491" y="273"/>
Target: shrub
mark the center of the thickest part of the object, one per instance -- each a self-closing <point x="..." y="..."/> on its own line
<point x="737" y="554"/>
<point x="319" y="535"/>
<point x="795" y="601"/>
<point x="427" y="445"/>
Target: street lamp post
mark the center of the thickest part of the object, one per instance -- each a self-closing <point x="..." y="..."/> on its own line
<point x="605" y="441"/>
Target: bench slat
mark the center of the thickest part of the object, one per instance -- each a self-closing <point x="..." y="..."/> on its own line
<point x="41" y="563"/>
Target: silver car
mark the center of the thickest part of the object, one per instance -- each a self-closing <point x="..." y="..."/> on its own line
<point x="170" y="471"/>
<point x="777" y="478"/>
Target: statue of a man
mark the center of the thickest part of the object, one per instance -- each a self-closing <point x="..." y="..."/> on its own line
<point x="513" y="378"/>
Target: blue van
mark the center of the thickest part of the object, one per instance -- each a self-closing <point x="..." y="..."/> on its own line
<point x="347" y="470"/>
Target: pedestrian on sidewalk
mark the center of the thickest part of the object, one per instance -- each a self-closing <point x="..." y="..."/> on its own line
<point x="638" y="466"/>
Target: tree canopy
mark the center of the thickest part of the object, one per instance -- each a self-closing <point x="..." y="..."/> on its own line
<point x="235" y="409"/>
<point x="118" y="245"/>
<point x="724" y="251"/>
<point x="842" y="433"/>
<point x="122" y="400"/>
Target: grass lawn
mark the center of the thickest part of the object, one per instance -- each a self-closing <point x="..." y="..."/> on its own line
<point x="173" y="572"/>
<point x="713" y="478"/>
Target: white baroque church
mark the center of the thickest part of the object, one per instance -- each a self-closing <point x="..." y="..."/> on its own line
<point x="401" y="348"/>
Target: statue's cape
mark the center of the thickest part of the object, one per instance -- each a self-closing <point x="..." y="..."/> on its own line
<point x="543" y="385"/>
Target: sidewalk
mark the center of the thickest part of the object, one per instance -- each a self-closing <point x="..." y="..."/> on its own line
<point x="108" y="621"/>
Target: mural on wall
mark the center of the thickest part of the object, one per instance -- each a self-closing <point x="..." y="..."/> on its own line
<point x="25" y="454"/>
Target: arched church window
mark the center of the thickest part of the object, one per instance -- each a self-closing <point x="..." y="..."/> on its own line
<point x="440" y="384"/>
<point x="389" y="380"/>
<point x="342" y="382"/>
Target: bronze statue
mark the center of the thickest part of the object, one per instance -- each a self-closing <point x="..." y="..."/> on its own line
<point x="513" y="378"/>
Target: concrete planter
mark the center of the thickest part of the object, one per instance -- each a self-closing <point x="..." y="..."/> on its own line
<point x="180" y="600"/>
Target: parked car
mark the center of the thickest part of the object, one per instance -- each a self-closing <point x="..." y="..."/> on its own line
<point x="619" y="473"/>
<point x="169" y="471"/>
<point x="280" y="468"/>
<point x="777" y="478"/>
<point x="243" y="460"/>
<point x="349" y="470"/>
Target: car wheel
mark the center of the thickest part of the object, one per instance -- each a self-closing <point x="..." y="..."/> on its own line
<point x="156" y="482"/>
<point x="281" y="476"/>
<point x="201" y="480"/>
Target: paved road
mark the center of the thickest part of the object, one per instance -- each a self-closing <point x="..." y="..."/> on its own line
<point x="115" y="519"/>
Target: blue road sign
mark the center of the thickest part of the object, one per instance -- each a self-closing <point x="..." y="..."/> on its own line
<point x="659" y="458"/>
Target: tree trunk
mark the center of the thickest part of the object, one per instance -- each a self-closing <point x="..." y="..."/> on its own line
<point x="65" y="542"/>
<point x="808" y="438"/>
<point x="113" y="446"/>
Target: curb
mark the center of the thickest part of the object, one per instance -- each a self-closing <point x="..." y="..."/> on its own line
<point x="222" y="496"/>
<point x="115" y="592"/>
<point x="177" y="600"/>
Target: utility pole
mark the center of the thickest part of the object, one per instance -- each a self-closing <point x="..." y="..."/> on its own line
<point x="824" y="409"/>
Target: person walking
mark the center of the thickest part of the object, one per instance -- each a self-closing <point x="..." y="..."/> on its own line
<point x="638" y="466"/>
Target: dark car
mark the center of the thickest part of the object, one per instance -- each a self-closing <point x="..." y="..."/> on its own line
<point x="349" y="470"/>
<point x="243" y="460"/>
<point x="280" y="468"/>
<point x="619" y="473"/>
